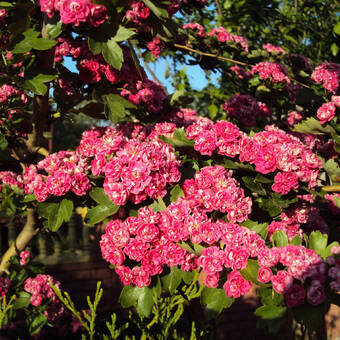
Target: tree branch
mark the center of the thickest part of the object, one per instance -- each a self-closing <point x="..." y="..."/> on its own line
<point x="216" y="56"/>
<point x="22" y="240"/>
<point x="40" y="103"/>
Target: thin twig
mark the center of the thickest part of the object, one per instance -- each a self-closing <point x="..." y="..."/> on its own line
<point x="216" y="56"/>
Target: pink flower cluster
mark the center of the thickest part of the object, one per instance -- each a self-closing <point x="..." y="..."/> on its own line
<point x="240" y="72"/>
<point x="301" y="263"/>
<point x="270" y="150"/>
<point x="271" y="48"/>
<point x="291" y="229"/>
<point x="134" y="170"/>
<point x="93" y="68"/>
<point x="8" y="92"/>
<point x="213" y="188"/>
<point x="223" y="36"/>
<point x="40" y="289"/>
<point x="245" y="108"/>
<point x="195" y="27"/>
<point x="334" y="270"/>
<point x="273" y="71"/>
<point x="24" y="256"/>
<point x="65" y="172"/>
<point x="151" y="240"/>
<point x="11" y="178"/>
<point x="147" y="93"/>
<point x="138" y="13"/>
<point x="4" y="286"/>
<point x="326" y="112"/>
<point x="327" y="74"/>
<point x="75" y="11"/>
<point x="156" y="46"/>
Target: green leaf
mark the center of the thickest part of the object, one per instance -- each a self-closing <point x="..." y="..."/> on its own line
<point x="60" y="213"/>
<point x="171" y="281"/>
<point x="35" y="82"/>
<point x="334" y="49"/>
<point x="328" y="251"/>
<point x="94" y="45"/>
<point x="336" y="28"/>
<point x="270" y="312"/>
<point x="262" y="179"/>
<point x="157" y="11"/>
<point x="123" y="33"/>
<point x="270" y="297"/>
<point x="22" y="300"/>
<point x="313" y="126"/>
<point x="3" y="142"/>
<point x="260" y="228"/>
<point x="6" y="4"/>
<point x="54" y="30"/>
<point x="36" y="87"/>
<point x="179" y="139"/>
<point x="99" y="195"/>
<point x="176" y="192"/>
<point x="318" y="242"/>
<point x="198" y="248"/>
<point x="37" y="323"/>
<point x="188" y="277"/>
<point x="280" y="238"/>
<point x="215" y="301"/>
<point x="144" y="302"/>
<point x="42" y="44"/>
<point x="99" y="213"/>
<point x="251" y="271"/>
<point x="128" y="296"/>
<point x="113" y="54"/>
<point x="253" y="186"/>
<point x="115" y="106"/>
<point x="297" y="241"/>
<point x="332" y="168"/>
<point x="186" y="247"/>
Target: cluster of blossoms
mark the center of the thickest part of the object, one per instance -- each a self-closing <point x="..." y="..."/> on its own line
<point x="150" y="239"/>
<point x="273" y="71"/>
<point x="65" y="172"/>
<point x="8" y="91"/>
<point x="213" y="188"/>
<point x="75" y="11"/>
<point x="246" y="109"/>
<point x="269" y="150"/>
<point x="137" y="88"/>
<point x="327" y="111"/>
<point x="4" y="286"/>
<point x="147" y="93"/>
<point x="223" y="36"/>
<point x="327" y="74"/>
<point x="240" y="72"/>
<point x="134" y="170"/>
<point x="41" y="292"/>
<point x="138" y="12"/>
<point x="24" y="256"/>
<point x="273" y="49"/>
<point x="300" y="263"/>
<point x="294" y="117"/>
<point x="291" y="229"/>
<point x="156" y="46"/>
<point x="195" y="27"/>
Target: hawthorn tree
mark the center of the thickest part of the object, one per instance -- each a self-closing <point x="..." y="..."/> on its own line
<point x="195" y="208"/>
